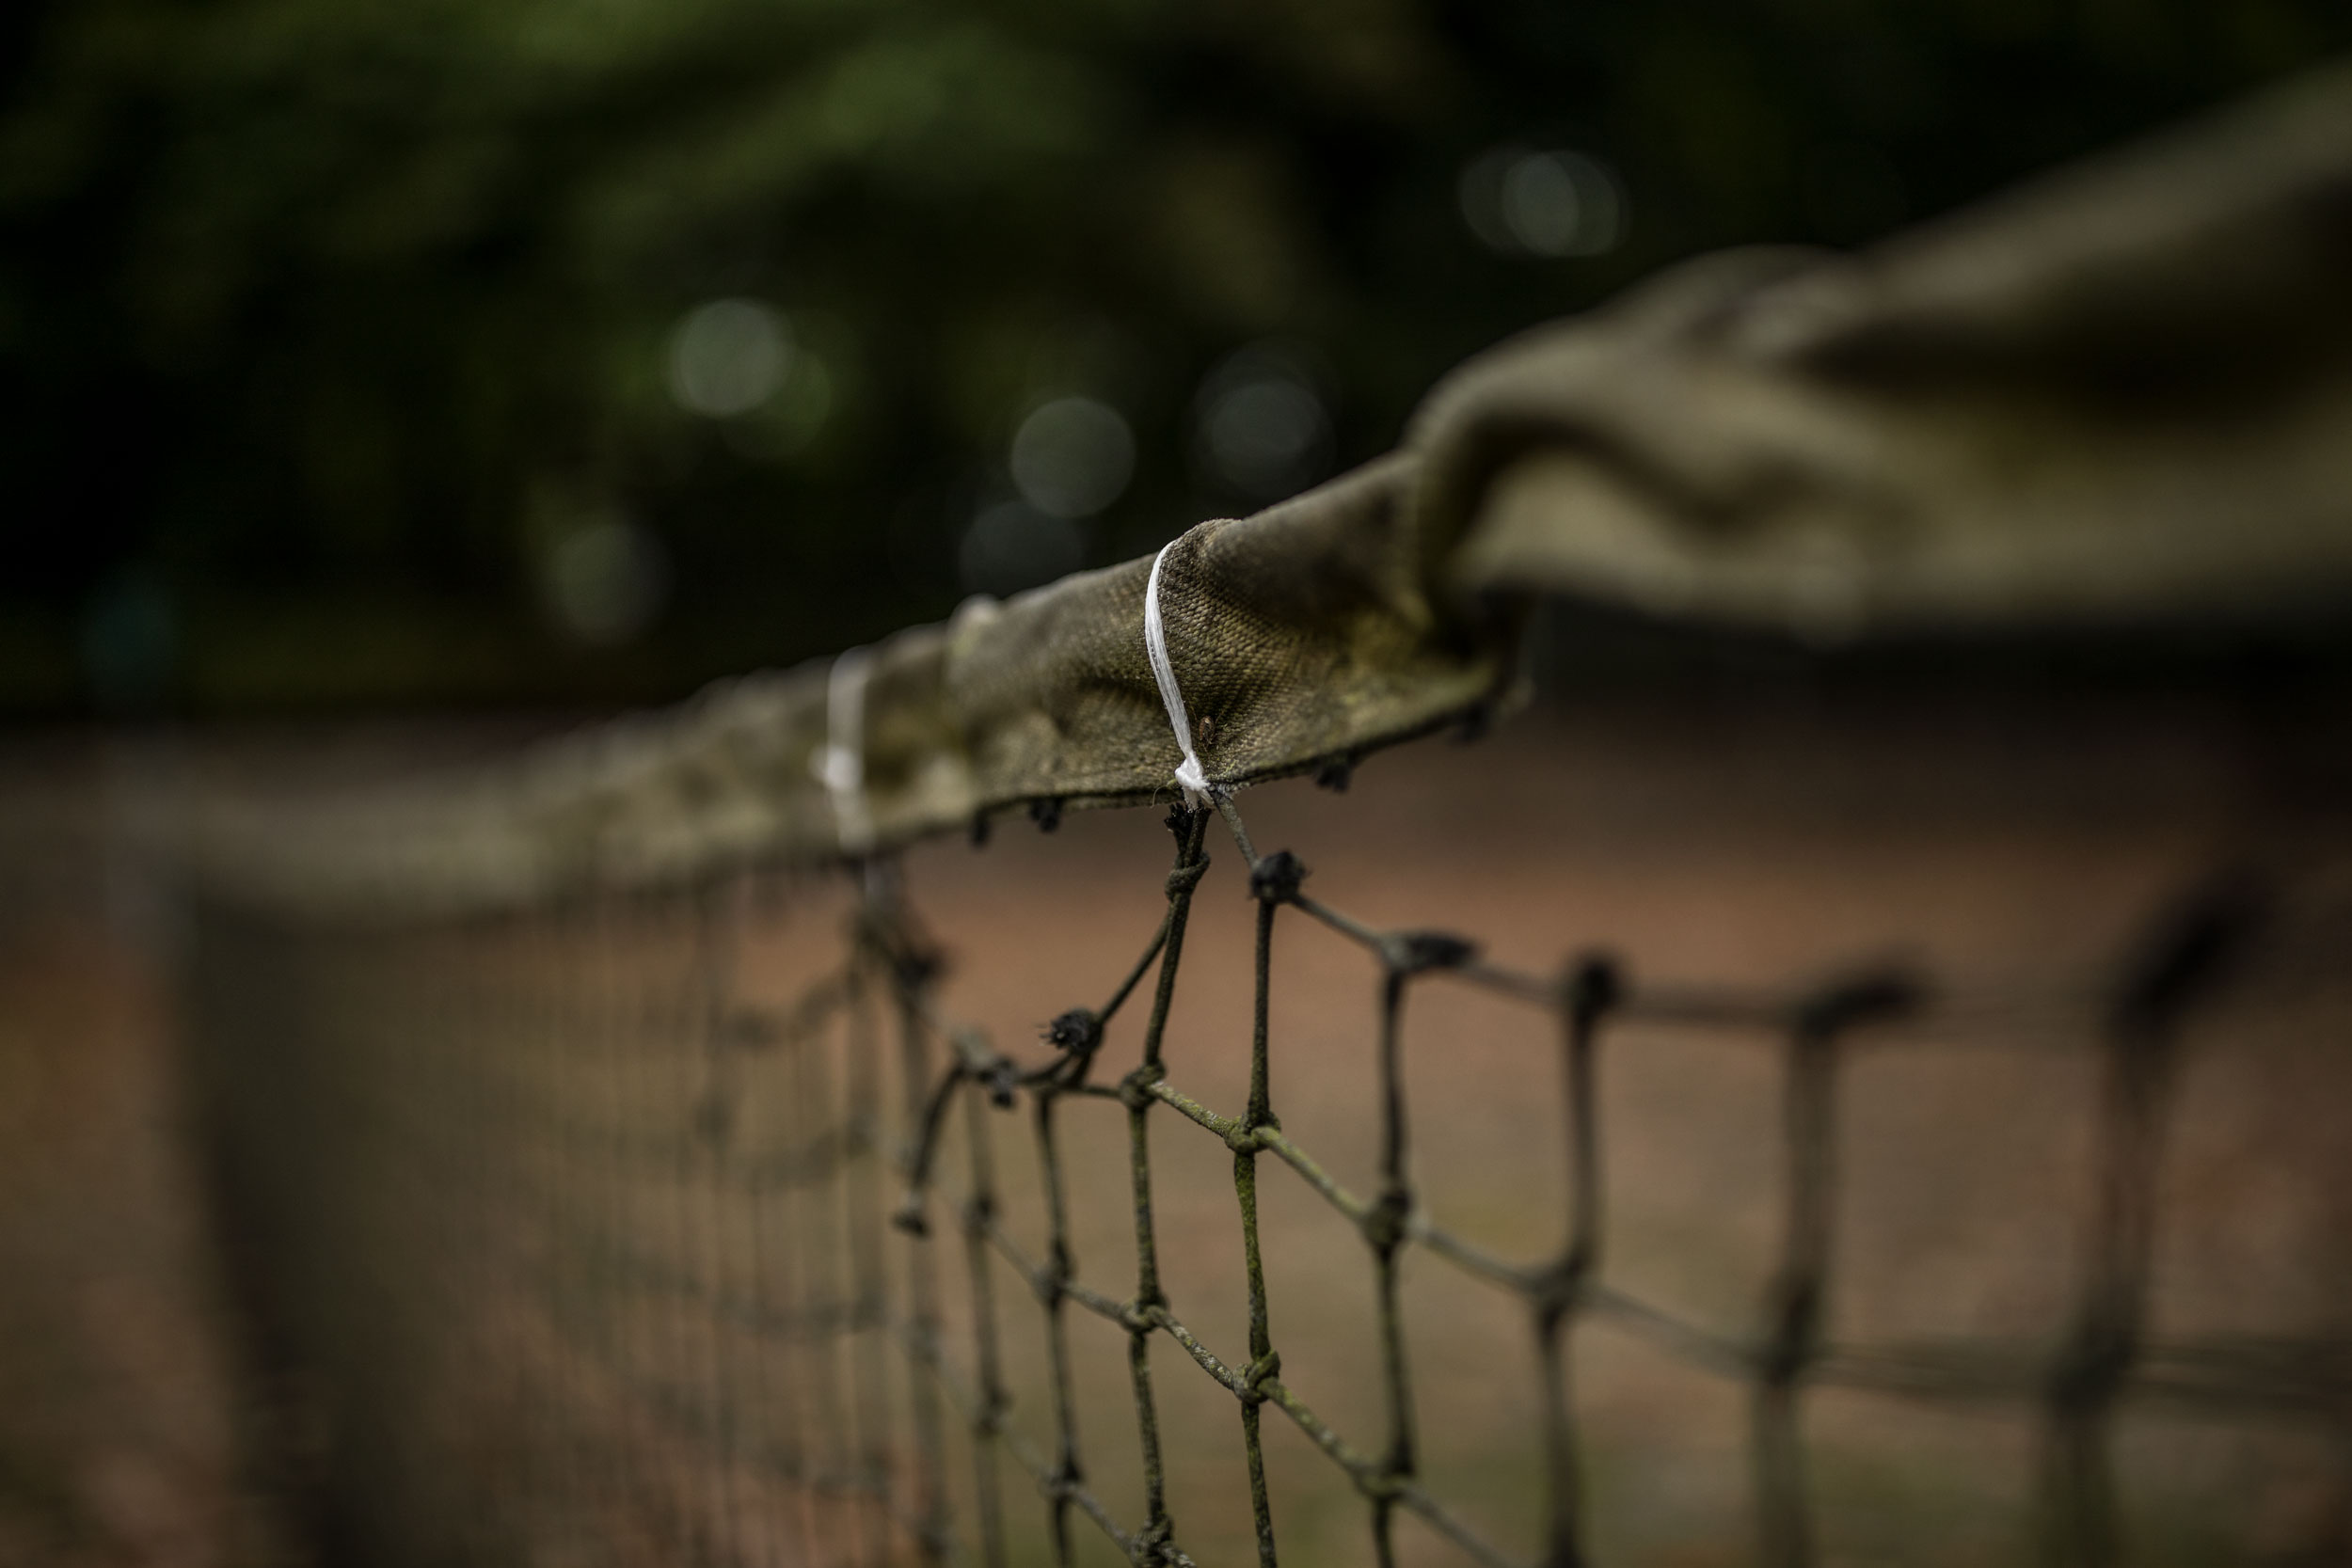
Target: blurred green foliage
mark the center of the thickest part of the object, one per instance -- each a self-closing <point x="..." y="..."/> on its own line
<point x="324" y="325"/>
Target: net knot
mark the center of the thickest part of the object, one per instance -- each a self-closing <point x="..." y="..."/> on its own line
<point x="1053" y="1281"/>
<point x="1796" y="1336"/>
<point x="1184" y="879"/>
<point x="2093" y="1367"/>
<point x="1076" y="1033"/>
<point x="1593" y="986"/>
<point x="1134" y="1090"/>
<point x="1560" y="1289"/>
<point x="2192" y="950"/>
<point x="1275" y="878"/>
<point x="1061" y="1484"/>
<point x="1258" y="1374"/>
<point x="714" y="1118"/>
<point x="749" y="1029"/>
<point x="977" y="1062"/>
<point x="1000" y="1077"/>
<point x="1384" y="1222"/>
<point x="883" y="930"/>
<point x="1154" y="1542"/>
<point x="1871" y="998"/>
<point x="1417" y="952"/>
<point x="912" y="964"/>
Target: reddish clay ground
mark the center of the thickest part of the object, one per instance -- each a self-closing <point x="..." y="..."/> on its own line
<point x="1999" y="852"/>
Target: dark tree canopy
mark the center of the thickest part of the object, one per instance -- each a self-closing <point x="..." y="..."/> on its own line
<point x="523" y="350"/>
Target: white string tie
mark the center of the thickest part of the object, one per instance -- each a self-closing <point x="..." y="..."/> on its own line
<point x="840" y="763"/>
<point x="1189" y="777"/>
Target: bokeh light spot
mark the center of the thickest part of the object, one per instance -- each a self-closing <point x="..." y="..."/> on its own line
<point x="728" y="357"/>
<point x="792" y="422"/>
<point x="1548" y="203"/>
<point x="1258" y="433"/>
<point x="1073" y="457"/>
<point x="606" y="582"/>
<point x="1264" y="429"/>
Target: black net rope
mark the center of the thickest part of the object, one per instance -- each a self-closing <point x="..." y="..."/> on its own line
<point x="2105" y="1358"/>
<point x="771" y="1342"/>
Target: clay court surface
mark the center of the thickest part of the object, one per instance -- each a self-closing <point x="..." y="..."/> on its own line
<point x="2003" y="854"/>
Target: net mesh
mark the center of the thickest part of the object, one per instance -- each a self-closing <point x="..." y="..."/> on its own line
<point x="658" y="1228"/>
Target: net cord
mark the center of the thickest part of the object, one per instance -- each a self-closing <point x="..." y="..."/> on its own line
<point x="705" y="1373"/>
<point x="840" y="764"/>
<point x="1189" y="776"/>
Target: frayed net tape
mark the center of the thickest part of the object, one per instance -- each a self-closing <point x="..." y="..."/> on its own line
<point x="1189" y="777"/>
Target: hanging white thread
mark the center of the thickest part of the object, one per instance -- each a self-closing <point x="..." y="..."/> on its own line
<point x="1188" y="774"/>
<point x="840" y="763"/>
